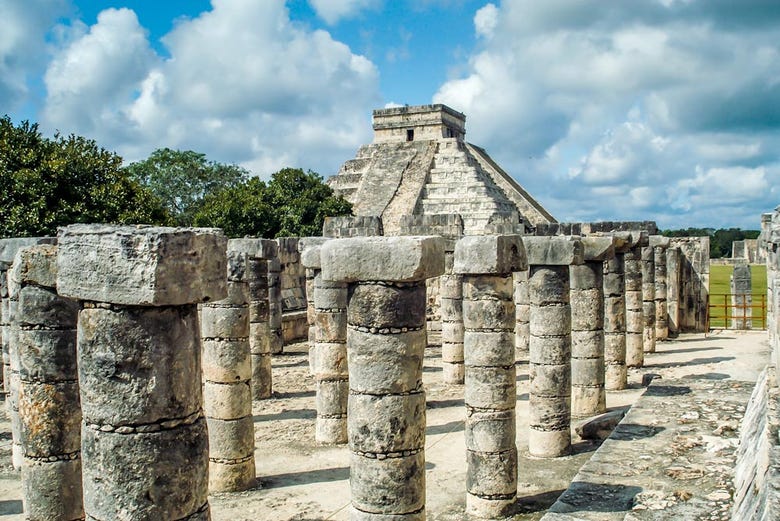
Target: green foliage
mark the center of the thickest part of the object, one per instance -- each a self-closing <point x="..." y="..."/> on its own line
<point x="294" y="203"/>
<point x="720" y="240"/>
<point x="182" y="179"/>
<point x="46" y="183"/>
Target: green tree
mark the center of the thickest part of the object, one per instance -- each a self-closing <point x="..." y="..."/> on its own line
<point x="293" y="203"/>
<point x="721" y="240"/>
<point x="182" y="179"/>
<point x="303" y="201"/>
<point x="46" y="183"/>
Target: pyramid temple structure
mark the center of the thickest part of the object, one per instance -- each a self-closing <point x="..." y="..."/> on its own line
<point x="420" y="164"/>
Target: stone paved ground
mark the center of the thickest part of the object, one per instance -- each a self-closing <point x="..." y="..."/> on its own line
<point x="304" y="482"/>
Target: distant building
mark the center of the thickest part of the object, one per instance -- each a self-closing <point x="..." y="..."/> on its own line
<point x="420" y="164"/>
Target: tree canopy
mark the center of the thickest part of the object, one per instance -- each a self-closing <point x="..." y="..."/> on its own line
<point x="46" y="183"/>
<point x="293" y="203"/>
<point x="181" y="179"/>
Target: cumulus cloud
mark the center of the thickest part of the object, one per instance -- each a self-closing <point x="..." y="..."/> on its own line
<point x="240" y="83"/>
<point x="334" y="10"/>
<point x="24" y="26"/>
<point x="606" y="109"/>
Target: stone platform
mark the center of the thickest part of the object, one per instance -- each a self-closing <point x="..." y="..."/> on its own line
<point x="671" y="457"/>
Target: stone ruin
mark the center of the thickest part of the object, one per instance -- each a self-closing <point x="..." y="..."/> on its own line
<point x="133" y="355"/>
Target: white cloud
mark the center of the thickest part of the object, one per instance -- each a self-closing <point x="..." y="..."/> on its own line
<point x="605" y="110"/>
<point x="334" y="10"/>
<point x="241" y="84"/>
<point x="24" y="25"/>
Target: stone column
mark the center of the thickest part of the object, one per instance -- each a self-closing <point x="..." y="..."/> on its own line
<point x="144" y="443"/>
<point x="549" y="356"/>
<point x="522" y="312"/>
<point x="265" y="322"/>
<point x="635" y="356"/>
<point x="741" y="298"/>
<point x="615" y="376"/>
<point x="49" y="411"/>
<point x="588" y="396"/>
<point x="673" y="290"/>
<point x="648" y="299"/>
<point x="227" y="378"/>
<point x="486" y="264"/>
<point x="328" y="358"/>
<point x="8" y="249"/>
<point x="386" y="341"/>
<point x="660" y="244"/>
<point x="451" y="298"/>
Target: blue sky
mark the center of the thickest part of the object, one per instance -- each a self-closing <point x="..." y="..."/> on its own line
<point x="603" y="109"/>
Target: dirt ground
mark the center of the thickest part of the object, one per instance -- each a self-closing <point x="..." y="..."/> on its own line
<point x="299" y="480"/>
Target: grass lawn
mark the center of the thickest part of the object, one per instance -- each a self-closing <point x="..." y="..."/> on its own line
<point x="720" y="285"/>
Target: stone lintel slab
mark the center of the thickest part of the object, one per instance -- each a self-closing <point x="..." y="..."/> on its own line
<point x="598" y="248"/>
<point x="142" y="265"/>
<point x="659" y="241"/>
<point x="641" y="238"/>
<point x="396" y="259"/>
<point x="490" y="254"/>
<point x="255" y="247"/>
<point x="623" y="241"/>
<point x="311" y="250"/>
<point x="554" y="251"/>
<point x="34" y="265"/>
<point x="9" y="247"/>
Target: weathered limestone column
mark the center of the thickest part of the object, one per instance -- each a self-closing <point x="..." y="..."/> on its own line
<point x="660" y="244"/>
<point x="741" y="298"/>
<point x="648" y="299"/>
<point x="8" y="250"/>
<point x="144" y="443"/>
<point x="386" y="340"/>
<point x="486" y="264"/>
<point x="615" y="375"/>
<point x="227" y="377"/>
<point x="588" y="396"/>
<point x="522" y="312"/>
<point x="328" y="357"/>
<point x="550" y="345"/>
<point x="635" y="356"/>
<point x="673" y="290"/>
<point x="451" y="299"/>
<point x="265" y="330"/>
<point x="49" y="410"/>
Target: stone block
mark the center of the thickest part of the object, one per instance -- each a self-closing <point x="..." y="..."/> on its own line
<point x="141" y="265"/>
<point x="398" y="259"/>
<point x="491" y="387"/>
<point x="598" y="248"/>
<point x="50" y="418"/>
<point x="332" y="397"/>
<point x="385" y="363"/>
<point x="227" y="401"/>
<point x="33" y="265"/>
<point x="231" y="439"/>
<point x="255" y="247"/>
<point x="383" y="424"/>
<point x="659" y="241"/>
<point x="553" y="251"/>
<point x="9" y="247"/>
<point x="489" y="348"/>
<point x="379" y="306"/>
<point x="388" y="486"/>
<point x="495" y="474"/>
<point x="490" y="431"/>
<point x="311" y="248"/>
<point x="53" y="489"/>
<point x="490" y="254"/>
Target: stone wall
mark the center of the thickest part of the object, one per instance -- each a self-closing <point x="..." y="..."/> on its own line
<point x="293" y="284"/>
<point x="748" y="251"/>
<point x="694" y="292"/>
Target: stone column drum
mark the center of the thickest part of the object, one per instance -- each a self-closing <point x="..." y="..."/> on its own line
<point x="615" y="375"/>
<point x="265" y="333"/>
<point x="673" y="290"/>
<point x="227" y="378"/>
<point x="660" y="244"/>
<point x="386" y="339"/>
<point x="648" y="299"/>
<point x="549" y="355"/>
<point x="635" y="356"/>
<point x="486" y="264"/>
<point x="588" y="396"/>
<point x="328" y="356"/>
<point x="144" y="443"/>
<point x="522" y="311"/>
<point x="49" y="410"/>
<point x="451" y="309"/>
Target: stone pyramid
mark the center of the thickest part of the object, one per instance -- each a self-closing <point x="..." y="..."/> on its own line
<point x="420" y="164"/>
